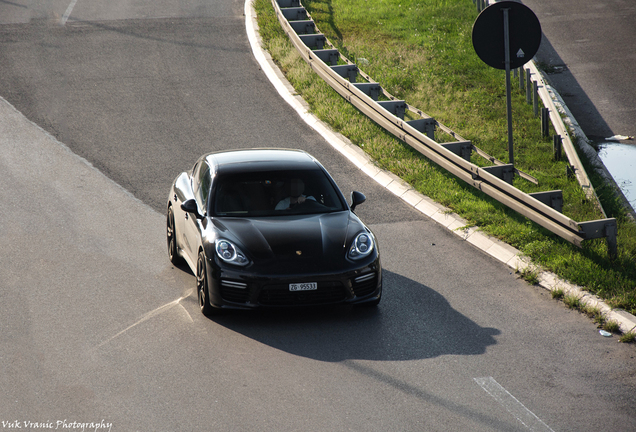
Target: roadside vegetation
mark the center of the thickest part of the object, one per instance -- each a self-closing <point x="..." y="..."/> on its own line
<point x="421" y="51"/>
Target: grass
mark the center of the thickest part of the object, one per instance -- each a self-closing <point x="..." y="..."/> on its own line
<point x="611" y="326"/>
<point x="530" y="275"/>
<point x="572" y="301"/>
<point x="421" y="51"/>
<point x="628" y="337"/>
<point x="557" y="294"/>
<point x="594" y="313"/>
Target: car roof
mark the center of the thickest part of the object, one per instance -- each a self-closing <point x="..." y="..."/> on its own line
<point x="263" y="159"/>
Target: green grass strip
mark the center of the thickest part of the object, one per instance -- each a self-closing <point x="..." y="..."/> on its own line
<point x="421" y="51"/>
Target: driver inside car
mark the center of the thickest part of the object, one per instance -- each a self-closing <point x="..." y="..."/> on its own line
<point x="296" y="189"/>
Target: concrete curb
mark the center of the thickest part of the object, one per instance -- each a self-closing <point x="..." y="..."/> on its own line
<point x="442" y="215"/>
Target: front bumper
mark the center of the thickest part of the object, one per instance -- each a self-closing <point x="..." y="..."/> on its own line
<point x="236" y="289"/>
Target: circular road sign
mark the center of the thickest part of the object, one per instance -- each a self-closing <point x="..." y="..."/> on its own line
<point x="524" y="32"/>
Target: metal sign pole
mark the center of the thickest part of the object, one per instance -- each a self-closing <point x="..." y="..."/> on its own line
<point x="511" y="157"/>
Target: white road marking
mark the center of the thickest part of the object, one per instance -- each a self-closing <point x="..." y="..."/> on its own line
<point x="149" y="315"/>
<point x="512" y="405"/>
<point x="69" y="9"/>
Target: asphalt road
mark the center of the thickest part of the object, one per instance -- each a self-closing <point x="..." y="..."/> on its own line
<point x="591" y="47"/>
<point x="97" y="325"/>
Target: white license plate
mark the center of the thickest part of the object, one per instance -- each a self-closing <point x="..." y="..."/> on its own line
<point x="307" y="286"/>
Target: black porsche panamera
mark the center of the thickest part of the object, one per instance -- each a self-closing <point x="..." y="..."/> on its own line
<point x="269" y="228"/>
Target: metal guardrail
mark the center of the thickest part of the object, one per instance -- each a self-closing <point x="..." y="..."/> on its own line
<point x="341" y="74"/>
<point x="537" y="86"/>
<point x="561" y="130"/>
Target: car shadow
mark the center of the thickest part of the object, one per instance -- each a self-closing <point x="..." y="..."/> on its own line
<point x="184" y="267"/>
<point x="412" y="322"/>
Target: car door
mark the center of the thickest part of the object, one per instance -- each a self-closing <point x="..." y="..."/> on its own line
<point x="201" y="180"/>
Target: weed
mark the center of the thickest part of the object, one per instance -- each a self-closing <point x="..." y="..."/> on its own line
<point x="530" y="275"/>
<point x="628" y="337"/>
<point x="572" y="301"/>
<point x="600" y="320"/>
<point x="595" y="314"/>
<point x="612" y="326"/>
<point x="590" y="311"/>
<point x="558" y="294"/>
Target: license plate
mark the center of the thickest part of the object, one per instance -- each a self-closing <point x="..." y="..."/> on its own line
<point x="307" y="286"/>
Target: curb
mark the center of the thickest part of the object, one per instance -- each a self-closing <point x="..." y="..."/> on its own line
<point x="442" y="215"/>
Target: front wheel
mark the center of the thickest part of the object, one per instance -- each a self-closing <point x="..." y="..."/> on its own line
<point x="202" y="286"/>
<point x="171" y="235"/>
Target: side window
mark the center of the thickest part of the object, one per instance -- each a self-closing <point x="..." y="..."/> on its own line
<point x="203" y="182"/>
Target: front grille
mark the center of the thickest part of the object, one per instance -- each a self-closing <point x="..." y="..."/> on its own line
<point x="364" y="285"/>
<point x="280" y="295"/>
<point x="236" y="292"/>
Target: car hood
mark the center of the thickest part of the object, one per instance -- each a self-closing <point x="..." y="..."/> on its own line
<point x="305" y="242"/>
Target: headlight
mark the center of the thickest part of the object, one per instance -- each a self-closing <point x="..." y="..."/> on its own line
<point x="361" y="246"/>
<point x="230" y="253"/>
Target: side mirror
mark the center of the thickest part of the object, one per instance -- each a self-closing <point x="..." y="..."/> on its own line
<point x="190" y="206"/>
<point x="357" y="198"/>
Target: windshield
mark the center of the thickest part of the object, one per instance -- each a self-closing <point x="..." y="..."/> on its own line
<point x="274" y="193"/>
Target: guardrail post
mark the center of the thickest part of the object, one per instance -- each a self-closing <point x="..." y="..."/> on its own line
<point x="397" y="108"/>
<point x="528" y="87"/>
<point x="553" y="199"/>
<point x="545" y="122"/>
<point x="557" y="144"/>
<point x="463" y="149"/>
<point x="602" y="228"/>
<point x="314" y="40"/>
<point x="303" y="27"/>
<point x="347" y="71"/>
<point x="288" y="3"/>
<point x="521" y="84"/>
<point x="504" y="172"/>
<point x="295" y="13"/>
<point x="535" y="98"/>
<point x="426" y="126"/>
<point x="370" y="89"/>
<point x="329" y="56"/>
<point x="610" y="237"/>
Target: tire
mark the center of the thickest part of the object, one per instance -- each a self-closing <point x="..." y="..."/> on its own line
<point x="171" y="236"/>
<point x="203" y="292"/>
